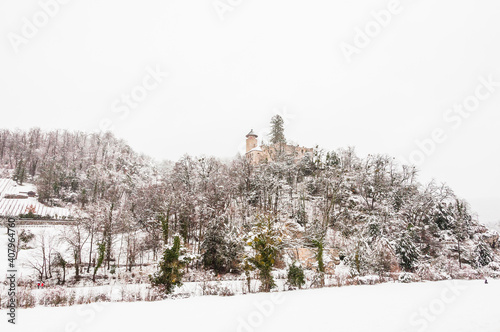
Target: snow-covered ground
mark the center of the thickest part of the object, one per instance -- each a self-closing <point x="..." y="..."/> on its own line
<point x="430" y="306"/>
<point x="30" y="254"/>
<point x="14" y="207"/>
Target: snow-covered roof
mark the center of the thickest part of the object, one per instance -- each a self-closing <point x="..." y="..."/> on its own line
<point x="256" y="149"/>
<point x="251" y="133"/>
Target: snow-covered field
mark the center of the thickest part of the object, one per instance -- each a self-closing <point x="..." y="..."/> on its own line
<point x="14" y="207"/>
<point x="430" y="306"/>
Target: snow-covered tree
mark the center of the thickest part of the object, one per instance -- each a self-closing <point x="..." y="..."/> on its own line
<point x="295" y="275"/>
<point x="277" y="134"/>
<point x="407" y="251"/>
<point x="265" y="243"/>
<point x="482" y="254"/>
<point x="170" y="271"/>
<point x="220" y="248"/>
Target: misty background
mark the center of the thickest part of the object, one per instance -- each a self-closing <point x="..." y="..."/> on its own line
<point x="228" y="66"/>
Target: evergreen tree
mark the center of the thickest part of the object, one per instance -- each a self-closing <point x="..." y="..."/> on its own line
<point x="164" y="225"/>
<point x="483" y="255"/>
<point x="407" y="252"/>
<point x="266" y="243"/>
<point x="277" y="135"/>
<point x="296" y="276"/>
<point x="316" y="235"/>
<point x="318" y="244"/>
<point x="220" y="250"/>
<point x="170" y="272"/>
<point x="101" y="249"/>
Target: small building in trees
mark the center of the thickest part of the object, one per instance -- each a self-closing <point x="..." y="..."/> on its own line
<point x="272" y="152"/>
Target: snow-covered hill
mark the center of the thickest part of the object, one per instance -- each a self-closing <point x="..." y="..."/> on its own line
<point x="334" y="215"/>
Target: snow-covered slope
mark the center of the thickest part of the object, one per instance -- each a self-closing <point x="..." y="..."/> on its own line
<point x="14" y="207"/>
<point x="430" y="306"/>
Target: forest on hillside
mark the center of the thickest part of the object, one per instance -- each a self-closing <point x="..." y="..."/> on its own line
<point x="236" y="217"/>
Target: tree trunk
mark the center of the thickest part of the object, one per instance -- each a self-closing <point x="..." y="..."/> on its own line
<point x="90" y="252"/>
<point x="77" y="266"/>
<point x="459" y="256"/>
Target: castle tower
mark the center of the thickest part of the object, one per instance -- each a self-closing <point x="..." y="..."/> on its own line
<point x="251" y="140"/>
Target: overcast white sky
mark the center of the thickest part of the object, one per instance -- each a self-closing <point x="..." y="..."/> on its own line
<point x="227" y="76"/>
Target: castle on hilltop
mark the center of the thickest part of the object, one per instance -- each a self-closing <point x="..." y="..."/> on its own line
<point x="265" y="153"/>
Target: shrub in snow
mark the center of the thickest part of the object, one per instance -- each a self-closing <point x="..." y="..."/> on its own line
<point x="225" y="291"/>
<point x="467" y="272"/>
<point x="494" y="266"/>
<point x="369" y="280"/>
<point x="102" y="298"/>
<point x="54" y="297"/>
<point x="86" y="298"/>
<point x="342" y="273"/>
<point x="153" y="294"/>
<point x="71" y="298"/>
<point x="427" y="271"/>
<point x="130" y="295"/>
<point x="25" y="297"/>
<point x="209" y="288"/>
<point x="4" y="298"/>
<point x="405" y="277"/>
<point x="295" y="275"/>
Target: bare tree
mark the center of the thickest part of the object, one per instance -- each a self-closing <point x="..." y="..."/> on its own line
<point x="76" y="236"/>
